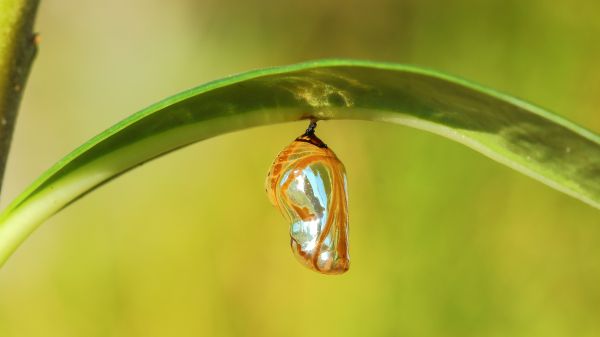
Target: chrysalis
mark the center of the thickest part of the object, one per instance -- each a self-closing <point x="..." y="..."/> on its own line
<point x="307" y="182"/>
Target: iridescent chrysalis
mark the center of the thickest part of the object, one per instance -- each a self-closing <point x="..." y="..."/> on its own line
<point x="307" y="182"/>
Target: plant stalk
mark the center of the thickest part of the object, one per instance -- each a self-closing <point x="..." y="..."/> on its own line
<point x="18" y="46"/>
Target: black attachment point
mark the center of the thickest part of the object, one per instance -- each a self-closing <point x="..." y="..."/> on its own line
<point x="311" y="127"/>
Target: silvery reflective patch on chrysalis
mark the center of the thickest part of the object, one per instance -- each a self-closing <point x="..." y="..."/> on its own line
<point x="307" y="182"/>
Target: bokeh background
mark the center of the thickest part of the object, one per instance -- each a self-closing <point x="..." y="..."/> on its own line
<point x="444" y="242"/>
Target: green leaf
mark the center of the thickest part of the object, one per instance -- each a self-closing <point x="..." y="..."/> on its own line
<point x="528" y="139"/>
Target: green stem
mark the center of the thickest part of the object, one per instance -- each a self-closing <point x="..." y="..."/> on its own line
<point x="18" y="45"/>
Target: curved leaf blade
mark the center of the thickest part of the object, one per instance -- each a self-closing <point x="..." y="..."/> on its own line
<point x="528" y="139"/>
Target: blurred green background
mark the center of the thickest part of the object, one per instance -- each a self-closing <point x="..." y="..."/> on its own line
<point x="444" y="242"/>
